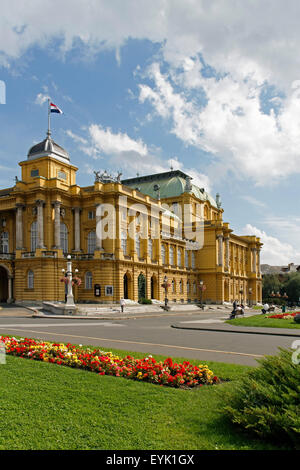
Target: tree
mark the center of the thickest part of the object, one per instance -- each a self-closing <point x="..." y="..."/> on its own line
<point x="292" y="287"/>
<point x="271" y="283"/>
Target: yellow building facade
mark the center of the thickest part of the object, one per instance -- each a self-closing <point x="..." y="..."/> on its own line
<point x="124" y="237"/>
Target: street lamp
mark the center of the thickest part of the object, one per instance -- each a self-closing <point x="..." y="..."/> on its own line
<point x="202" y="288"/>
<point x="165" y="286"/>
<point x="250" y="294"/>
<point x="70" y="297"/>
<point x="241" y="291"/>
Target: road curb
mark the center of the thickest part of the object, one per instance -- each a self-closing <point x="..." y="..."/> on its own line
<point x="239" y="330"/>
<point x="132" y="316"/>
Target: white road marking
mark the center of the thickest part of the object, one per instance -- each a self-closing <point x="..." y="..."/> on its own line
<point x="140" y="343"/>
<point x="38" y="325"/>
<point x="208" y="320"/>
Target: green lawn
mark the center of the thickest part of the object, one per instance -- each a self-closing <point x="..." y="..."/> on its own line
<point x="263" y="321"/>
<point x="47" y="406"/>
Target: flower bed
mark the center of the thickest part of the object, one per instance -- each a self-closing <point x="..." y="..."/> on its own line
<point x="106" y="363"/>
<point x="283" y="316"/>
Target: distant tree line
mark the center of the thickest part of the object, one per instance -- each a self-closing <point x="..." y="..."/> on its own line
<point x="281" y="288"/>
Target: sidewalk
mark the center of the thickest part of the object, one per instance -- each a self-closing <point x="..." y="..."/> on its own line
<point x="91" y="312"/>
<point x="227" y="328"/>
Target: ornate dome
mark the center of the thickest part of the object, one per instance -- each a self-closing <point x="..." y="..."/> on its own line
<point x="48" y="148"/>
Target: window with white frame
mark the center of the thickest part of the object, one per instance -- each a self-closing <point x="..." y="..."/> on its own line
<point x="91" y="241"/>
<point x="4" y="241"/>
<point x="171" y="256"/>
<point x="193" y="259"/>
<point x="124" y="242"/>
<point x="163" y="254"/>
<point x="88" y="280"/>
<point x="179" y="260"/>
<point x="194" y="288"/>
<point x="64" y="237"/>
<point x="30" y="279"/>
<point x="33" y="236"/>
<point x="150" y="248"/>
<point x="186" y="258"/>
<point x="181" y="286"/>
<point x="138" y="244"/>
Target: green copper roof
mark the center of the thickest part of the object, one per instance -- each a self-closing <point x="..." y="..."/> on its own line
<point x="169" y="184"/>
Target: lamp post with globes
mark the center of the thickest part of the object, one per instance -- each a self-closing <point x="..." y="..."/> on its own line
<point x="70" y="297"/>
<point x="165" y="285"/>
<point x="202" y="288"/>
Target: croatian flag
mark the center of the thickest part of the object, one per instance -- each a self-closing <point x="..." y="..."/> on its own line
<point x="55" y="109"/>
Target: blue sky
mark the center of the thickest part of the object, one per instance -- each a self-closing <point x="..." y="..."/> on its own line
<point x="210" y="87"/>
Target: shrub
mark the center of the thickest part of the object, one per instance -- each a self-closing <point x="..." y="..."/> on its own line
<point x="145" y="301"/>
<point x="266" y="401"/>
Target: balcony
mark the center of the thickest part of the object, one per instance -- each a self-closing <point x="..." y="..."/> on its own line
<point x="28" y="254"/>
<point x="9" y="256"/>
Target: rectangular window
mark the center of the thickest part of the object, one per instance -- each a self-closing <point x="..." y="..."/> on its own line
<point x="62" y="175"/>
<point x="91" y="215"/>
<point x="34" y="173"/>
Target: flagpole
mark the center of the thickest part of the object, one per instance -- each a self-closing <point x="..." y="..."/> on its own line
<point x="49" y="131"/>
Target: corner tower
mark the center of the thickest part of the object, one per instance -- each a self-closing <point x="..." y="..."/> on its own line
<point x="47" y="160"/>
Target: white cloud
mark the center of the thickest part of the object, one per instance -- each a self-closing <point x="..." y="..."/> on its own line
<point x="120" y="151"/>
<point x="248" y="44"/>
<point x="255" y="202"/>
<point x="41" y="98"/>
<point x="250" y="37"/>
<point x="108" y="142"/>
<point x="274" y="251"/>
<point x="229" y="121"/>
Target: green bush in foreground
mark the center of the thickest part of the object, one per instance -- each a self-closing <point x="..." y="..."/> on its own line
<point x="266" y="400"/>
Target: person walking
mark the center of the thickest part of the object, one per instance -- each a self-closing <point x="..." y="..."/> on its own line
<point x="122" y="304"/>
<point x="265" y="308"/>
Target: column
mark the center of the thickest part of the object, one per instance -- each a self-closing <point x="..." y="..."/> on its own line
<point x="77" y="211"/>
<point x="220" y="250"/>
<point x="56" y="205"/>
<point x="98" y="228"/>
<point x="40" y="224"/>
<point x="253" y="260"/>
<point x="19" y="227"/>
<point x="227" y="253"/>
<point x="10" y="291"/>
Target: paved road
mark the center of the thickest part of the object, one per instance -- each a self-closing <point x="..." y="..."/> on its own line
<point x="149" y="335"/>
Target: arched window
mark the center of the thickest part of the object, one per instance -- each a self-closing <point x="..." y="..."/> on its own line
<point x="188" y="287"/>
<point x="33" y="236"/>
<point x="124" y="242"/>
<point x="171" y="256"/>
<point x="64" y="237"/>
<point x="181" y="286"/>
<point x="88" y="280"/>
<point x="173" y="286"/>
<point x="4" y="248"/>
<point x="30" y="280"/>
<point x="91" y="241"/>
<point x="163" y="254"/>
<point x="194" y="288"/>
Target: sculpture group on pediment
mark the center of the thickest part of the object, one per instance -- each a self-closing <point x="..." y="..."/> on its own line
<point x="105" y="177"/>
